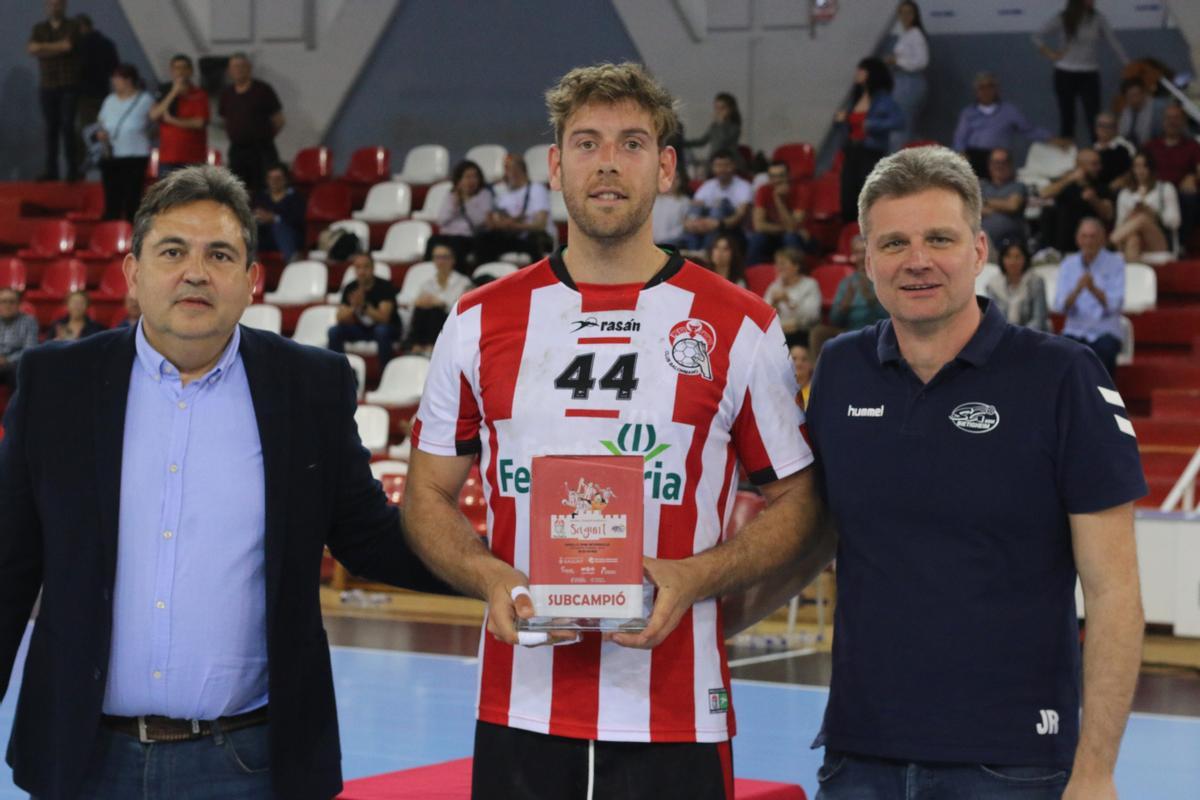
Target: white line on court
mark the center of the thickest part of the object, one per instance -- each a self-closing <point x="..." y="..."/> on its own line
<point x="741" y="662"/>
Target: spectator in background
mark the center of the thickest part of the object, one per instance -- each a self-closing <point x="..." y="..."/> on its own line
<point x="133" y="313"/>
<point x="464" y="212"/>
<point x="18" y="333"/>
<point x="1141" y="113"/>
<point x="1147" y="213"/>
<point x="434" y="298"/>
<point x="1116" y="152"/>
<point x="908" y="59"/>
<point x="1077" y="195"/>
<point x="723" y="132"/>
<point x="670" y="211"/>
<point x="802" y="363"/>
<point x="1017" y="292"/>
<point x="97" y="59"/>
<point x="367" y="311"/>
<point x="520" y="219"/>
<point x="1077" y="30"/>
<point x="253" y="118"/>
<point x="52" y="42"/>
<point x="1091" y="292"/>
<point x="727" y="259"/>
<point x="1003" y="201"/>
<point x="279" y="210"/>
<point x="1177" y="159"/>
<point x="991" y="123"/>
<point x="794" y="295"/>
<point x="124" y="120"/>
<point x="854" y="303"/>
<point x="182" y="113"/>
<point x="868" y="121"/>
<point x="780" y="207"/>
<point x="77" y="323"/>
<point x="721" y="204"/>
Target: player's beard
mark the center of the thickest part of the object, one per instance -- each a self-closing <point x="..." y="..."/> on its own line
<point x="612" y="225"/>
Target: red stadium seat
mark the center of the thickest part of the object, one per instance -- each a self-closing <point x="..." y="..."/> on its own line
<point x="260" y="284"/>
<point x="312" y="165"/>
<point x="828" y="276"/>
<point x="112" y="282"/>
<point x="112" y="238"/>
<point x="213" y="159"/>
<point x="51" y="238"/>
<point x="152" y="166"/>
<point x="12" y="274"/>
<point x="369" y="165"/>
<point x="328" y="203"/>
<point x="393" y="487"/>
<point x="800" y="157"/>
<point x="746" y="506"/>
<point x="922" y="143"/>
<point x="846" y="238"/>
<point x="759" y="277"/>
<point x="59" y="279"/>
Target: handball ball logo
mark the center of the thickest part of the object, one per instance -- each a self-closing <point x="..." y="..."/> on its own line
<point x="691" y="342"/>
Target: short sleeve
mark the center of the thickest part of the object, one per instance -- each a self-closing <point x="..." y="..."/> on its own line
<point x="767" y="431"/>
<point x="448" y="419"/>
<point x="1096" y="462"/>
<point x="539" y="199"/>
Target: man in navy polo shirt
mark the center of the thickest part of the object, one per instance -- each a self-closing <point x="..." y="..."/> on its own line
<point x="972" y="468"/>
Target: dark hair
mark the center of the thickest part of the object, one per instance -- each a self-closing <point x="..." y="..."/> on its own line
<point x="85" y="20"/>
<point x="723" y="153"/>
<point x="1074" y="15"/>
<point x="735" y="114"/>
<point x="130" y="73"/>
<point x="185" y="59"/>
<point x="1009" y="244"/>
<point x="779" y="162"/>
<point x="737" y="259"/>
<point x="193" y="185"/>
<point x="916" y="14"/>
<point x="794" y="255"/>
<point x="87" y="301"/>
<point x="1151" y="165"/>
<point x="278" y="165"/>
<point x="460" y="169"/>
<point x="879" y="78"/>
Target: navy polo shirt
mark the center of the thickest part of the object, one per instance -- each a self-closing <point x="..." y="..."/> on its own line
<point x="956" y="632"/>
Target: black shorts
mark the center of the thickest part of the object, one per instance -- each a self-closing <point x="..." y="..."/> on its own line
<point x="513" y="764"/>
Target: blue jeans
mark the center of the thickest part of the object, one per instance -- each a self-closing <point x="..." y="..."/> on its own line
<point x="848" y="777"/>
<point x="383" y="335"/>
<point x="909" y="93"/>
<point x="1107" y="347"/>
<point x="224" y="766"/>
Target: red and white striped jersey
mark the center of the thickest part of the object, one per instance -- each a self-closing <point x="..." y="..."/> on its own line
<point x="688" y="371"/>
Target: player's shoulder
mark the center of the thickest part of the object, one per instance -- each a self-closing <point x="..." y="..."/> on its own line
<point x="735" y="299"/>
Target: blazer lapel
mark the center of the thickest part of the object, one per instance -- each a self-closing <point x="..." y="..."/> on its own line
<point x="112" y="377"/>
<point x="272" y="409"/>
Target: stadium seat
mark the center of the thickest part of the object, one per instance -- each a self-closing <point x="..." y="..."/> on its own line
<point x="434" y="198"/>
<point x="356" y="226"/>
<point x="490" y="158"/>
<point x="746" y="506"/>
<point x="301" y="282"/>
<point x="152" y="165"/>
<point x="1125" y="355"/>
<point x="213" y="158"/>
<point x="405" y="242"/>
<point x="369" y="165"/>
<point x="312" y="165"/>
<point x="416" y="275"/>
<point x="314" y="324"/>
<point x="473" y="503"/>
<point x="1141" y="288"/>
<point x="1049" y="275"/>
<point x="328" y="203"/>
<point x="50" y="238"/>
<point x="260" y="284"/>
<point x="828" y="276"/>
<point x="493" y="270"/>
<point x="358" y="365"/>
<point x="263" y="317"/>
<point x="381" y="469"/>
<point x="537" y="161"/>
<point x="800" y="157"/>
<point x="112" y="281"/>
<point x="108" y="239"/>
<point x="60" y="278"/>
<point x="402" y="382"/>
<point x="402" y="451"/>
<point x="846" y="239"/>
<point x="988" y="272"/>
<point x="372" y="422"/>
<point x="759" y="277"/>
<point x="12" y="273"/>
<point x="92" y="209"/>
<point x="1045" y="162"/>
<point x="386" y="202"/>
<point x="381" y="270"/>
<point x="558" y="207"/>
<point x="425" y="164"/>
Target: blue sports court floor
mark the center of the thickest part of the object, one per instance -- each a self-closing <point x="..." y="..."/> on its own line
<point x="401" y="710"/>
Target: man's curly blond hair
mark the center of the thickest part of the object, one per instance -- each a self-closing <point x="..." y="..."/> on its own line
<point x="612" y="83"/>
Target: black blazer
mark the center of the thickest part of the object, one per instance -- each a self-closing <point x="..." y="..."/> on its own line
<point x="60" y="479"/>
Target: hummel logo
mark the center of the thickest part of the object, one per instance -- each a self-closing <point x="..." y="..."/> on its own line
<point x="877" y="411"/>
<point x="1049" y="723"/>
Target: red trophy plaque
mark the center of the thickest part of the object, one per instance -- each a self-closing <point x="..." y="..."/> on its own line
<point x="585" y="543"/>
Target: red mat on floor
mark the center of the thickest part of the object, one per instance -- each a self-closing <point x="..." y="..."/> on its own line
<point x="451" y="780"/>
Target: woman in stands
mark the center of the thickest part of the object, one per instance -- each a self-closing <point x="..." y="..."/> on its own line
<point x="727" y="259"/>
<point x="1018" y="292"/>
<point x="670" y="210"/>
<point x="464" y="213"/>
<point x="1147" y="212"/>
<point x="1077" y="30"/>
<point x="908" y="59"/>
<point x="123" y="135"/>
<point x="795" y="296"/>
<point x="724" y="131"/>
<point x="868" y="121"/>
<point x="435" y="297"/>
<point x="76" y="324"/>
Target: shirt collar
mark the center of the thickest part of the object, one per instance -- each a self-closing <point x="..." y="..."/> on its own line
<point x="158" y="367"/>
<point x="977" y="349"/>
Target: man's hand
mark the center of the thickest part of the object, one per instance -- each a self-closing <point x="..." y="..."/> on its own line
<point x="356" y="298"/>
<point x="264" y="216"/>
<point x="504" y="610"/>
<point x="101" y="135"/>
<point x="676" y="581"/>
<point x="1090" y="788"/>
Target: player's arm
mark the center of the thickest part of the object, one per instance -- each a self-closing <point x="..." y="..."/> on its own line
<point x="781" y="538"/>
<point x="1106" y="558"/>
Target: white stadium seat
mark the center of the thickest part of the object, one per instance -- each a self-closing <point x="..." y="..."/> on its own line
<point x="355" y="226"/>
<point x="424" y="164"/>
<point x="558" y="207"/>
<point x="386" y="202"/>
<point x="1141" y="288"/>
<point x="264" y="317"/>
<point x="416" y="275"/>
<point x="301" y="282"/>
<point x="986" y="274"/>
<point x="405" y="242"/>
<point x="402" y="451"/>
<point x="490" y="158"/>
<point x="381" y="468"/>
<point x="313" y="326"/>
<point x="402" y="382"/>
<point x="537" y="161"/>
<point x="372" y="424"/>
<point x="493" y="270"/>
<point x="359" y="365"/>
<point x="434" y="198"/>
<point x="1046" y="162"/>
<point x="1125" y="356"/>
<point x="1049" y="275"/>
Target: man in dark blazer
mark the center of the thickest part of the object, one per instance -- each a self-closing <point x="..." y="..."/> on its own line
<point x="170" y="488"/>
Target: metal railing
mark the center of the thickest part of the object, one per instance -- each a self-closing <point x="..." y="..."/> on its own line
<point x="1184" y="491"/>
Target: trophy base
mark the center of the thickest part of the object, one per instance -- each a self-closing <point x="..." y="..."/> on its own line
<point x="601" y="624"/>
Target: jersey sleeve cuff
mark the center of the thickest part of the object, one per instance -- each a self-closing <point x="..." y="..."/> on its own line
<point x="774" y="473"/>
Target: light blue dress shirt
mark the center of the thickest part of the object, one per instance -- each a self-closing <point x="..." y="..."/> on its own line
<point x="189" y="634"/>
<point x="1088" y="318"/>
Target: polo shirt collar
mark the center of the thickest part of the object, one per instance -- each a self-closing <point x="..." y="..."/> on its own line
<point x="976" y="351"/>
<point x="158" y="367"/>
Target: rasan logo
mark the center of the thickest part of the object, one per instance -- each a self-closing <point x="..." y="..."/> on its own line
<point x="613" y="326"/>
<point x="975" y="417"/>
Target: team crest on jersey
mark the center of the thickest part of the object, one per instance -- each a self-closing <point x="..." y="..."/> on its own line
<point x="975" y="417"/>
<point x="689" y="344"/>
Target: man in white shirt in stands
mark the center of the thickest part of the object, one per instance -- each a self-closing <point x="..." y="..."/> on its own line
<point x="722" y="203"/>
<point x="520" y="221"/>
